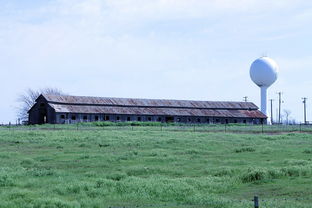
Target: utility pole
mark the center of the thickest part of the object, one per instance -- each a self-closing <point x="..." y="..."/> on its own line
<point x="271" y="101"/>
<point x="245" y="99"/>
<point x="305" y="109"/>
<point x="279" y="106"/>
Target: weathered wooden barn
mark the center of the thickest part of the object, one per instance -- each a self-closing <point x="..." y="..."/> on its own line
<point x="61" y="109"/>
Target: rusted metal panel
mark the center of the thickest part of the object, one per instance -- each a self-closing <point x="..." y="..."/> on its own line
<point x="60" y="108"/>
<point x="81" y="100"/>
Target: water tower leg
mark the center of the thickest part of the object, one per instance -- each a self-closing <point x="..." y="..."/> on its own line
<point x="264" y="100"/>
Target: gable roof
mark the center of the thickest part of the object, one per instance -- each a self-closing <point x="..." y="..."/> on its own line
<point x="151" y="103"/>
<point x="134" y="106"/>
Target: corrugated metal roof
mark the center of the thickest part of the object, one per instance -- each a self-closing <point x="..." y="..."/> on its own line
<point x="157" y="111"/>
<point x="103" y="101"/>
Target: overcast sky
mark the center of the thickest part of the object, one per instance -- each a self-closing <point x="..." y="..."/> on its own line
<point x="172" y="49"/>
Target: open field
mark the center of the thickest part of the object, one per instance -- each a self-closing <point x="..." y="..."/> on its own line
<point x="144" y="168"/>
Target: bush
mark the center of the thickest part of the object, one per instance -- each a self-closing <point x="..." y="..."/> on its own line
<point x="5" y="180"/>
<point x="296" y="162"/>
<point x="116" y="176"/>
<point x="308" y="151"/>
<point x="28" y="163"/>
<point x="254" y="174"/>
<point x="245" y="149"/>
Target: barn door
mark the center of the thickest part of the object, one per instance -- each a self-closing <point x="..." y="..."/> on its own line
<point x="42" y="116"/>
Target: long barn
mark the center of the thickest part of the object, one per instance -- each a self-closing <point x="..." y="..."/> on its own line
<point x="63" y="109"/>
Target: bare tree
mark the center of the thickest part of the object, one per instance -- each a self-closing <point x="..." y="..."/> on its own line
<point x="28" y="99"/>
<point x="287" y="114"/>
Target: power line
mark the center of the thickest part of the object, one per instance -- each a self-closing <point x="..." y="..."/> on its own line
<point x="279" y="106"/>
<point x="271" y="101"/>
<point x="304" y="109"/>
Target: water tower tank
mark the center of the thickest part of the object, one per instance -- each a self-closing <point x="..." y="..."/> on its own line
<point x="263" y="72"/>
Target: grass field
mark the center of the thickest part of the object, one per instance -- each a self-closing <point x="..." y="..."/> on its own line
<point x="142" y="168"/>
<point x="157" y="126"/>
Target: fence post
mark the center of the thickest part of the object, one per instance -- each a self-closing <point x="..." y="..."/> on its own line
<point x="262" y="128"/>
<point x="77" y="126"/>
<point x="256" y="201"/>
<point x="300" y="127"/>
<point x="225" y="127"/>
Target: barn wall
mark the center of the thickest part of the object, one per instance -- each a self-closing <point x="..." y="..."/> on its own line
<point x="41" y="113"/>
<point x="72" y="118"/>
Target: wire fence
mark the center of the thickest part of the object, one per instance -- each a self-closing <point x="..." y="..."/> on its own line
<point x="227" y="128"/>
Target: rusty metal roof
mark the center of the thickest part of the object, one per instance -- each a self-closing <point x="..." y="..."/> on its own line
<point x="147" y="103"/>
<point x="157" y="111"/>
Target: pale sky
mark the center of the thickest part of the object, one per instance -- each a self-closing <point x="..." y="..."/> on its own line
<point x="171" y="49"/>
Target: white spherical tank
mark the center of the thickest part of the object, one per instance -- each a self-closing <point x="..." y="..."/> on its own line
<point x="263" y="72"/>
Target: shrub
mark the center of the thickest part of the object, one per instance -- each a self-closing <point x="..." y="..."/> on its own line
<point x="116" y="176"/>
<point x="308" y="151"/>
<point x="254" y="174"/>
<point x="245" y="149"/>
<point x="225" y="171"/>
<point x="42" y="172"/>
<point x="27" y="163"/>
<point x="5" y="180"/>
<point x="296" y="162"/>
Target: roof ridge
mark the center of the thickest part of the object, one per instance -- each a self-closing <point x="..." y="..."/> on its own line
<point x="151" y="99"/>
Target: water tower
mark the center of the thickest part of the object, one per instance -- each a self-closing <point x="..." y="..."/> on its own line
<point x="263" y="72"/>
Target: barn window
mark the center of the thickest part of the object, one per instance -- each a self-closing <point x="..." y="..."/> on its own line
<point x="235" y="121"/>
<point x="226" y="121"/>
<point x="149" y="119"/>
<point x="96" y="118"/>
<point x="73" y="117"/>
<point x="139" y="118"/>
<point x="159" y="119"/>
<point x="189" y="119"/>
<point x="198" y="120"/>
<point x="217" y="120"/>
<point x="207" y="120"/>
<point x="42" y="105"/>
<point x="118" y="118"/>
<point x="85" y="117"/>
<point x="244" y="121"/>
<point x="128" y="119"/>
<point x="62" y="116"/>
<point x="106" y="118"/>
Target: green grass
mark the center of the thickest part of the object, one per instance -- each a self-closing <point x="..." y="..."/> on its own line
<point x="157" y="126"/>
<point x="144" y="168"/>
